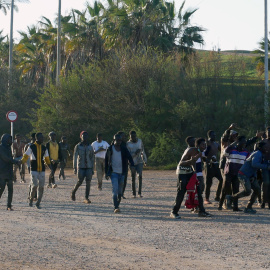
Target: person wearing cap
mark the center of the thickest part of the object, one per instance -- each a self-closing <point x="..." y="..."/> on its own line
<point x="116" y="165"/>
<point x="65" y="153"/>
<point x="55" y="156"/>
<point x="100" y="147"/>
<point x="6" y="168"/>
<point x="37" y="153"/>
<point x="18" y="149"/>
<point x="83" y="164"/>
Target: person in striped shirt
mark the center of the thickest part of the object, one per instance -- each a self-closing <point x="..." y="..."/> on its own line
<point x="235" y="158"/>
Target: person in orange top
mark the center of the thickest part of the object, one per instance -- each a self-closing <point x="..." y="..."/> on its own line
<point x="37" y="153"/>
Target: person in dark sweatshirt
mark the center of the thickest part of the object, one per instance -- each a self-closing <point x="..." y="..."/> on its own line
<point x="247" y="177"/>
<point x="235" y="158"/>
<point x="116" y="160"/>
<point x="6" y="168"/>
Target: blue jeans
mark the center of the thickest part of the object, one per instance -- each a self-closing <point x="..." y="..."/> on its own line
<point x="117" y="188"/>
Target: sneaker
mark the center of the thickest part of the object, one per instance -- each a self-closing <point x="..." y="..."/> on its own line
<point x="72" y="196"/>
<point x="237" y="210"/>
<point x="99" y="188"/>
<point x="175" y="216"/>
<point x="54" y="186"/>
<point x="117" y="210"/>
<point x="224" y="206"/>
<point x="207" y="201"/>
<point x="134" y="196"/>
<point x="204" y="214"/>
<point x="262" y="205"/>
<point x="10" y="208"/>
<point x="49" y="186"/>
<point x="229" y="202"/>
<point x="30" y="203"/>
<point x="86" y="201"/>
<point x="22" y="181"/>
<point x="250" y="211"/>
<point x="38" y="206"/>
<point x="64" y="177"/>
<point x="140" y="196"/>
<point x="219" y="208"/>
<point x="195" y="210"/>
<point x="217" y="199"/>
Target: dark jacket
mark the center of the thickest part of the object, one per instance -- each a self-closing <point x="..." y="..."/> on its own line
<point x="126" y="157"/>
<point x="6" y="159"/>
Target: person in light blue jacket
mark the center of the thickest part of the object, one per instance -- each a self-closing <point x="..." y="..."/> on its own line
<point x="247" y="177"/>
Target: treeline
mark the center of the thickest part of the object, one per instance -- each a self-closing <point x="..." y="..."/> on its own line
<point x="128" y="66"/>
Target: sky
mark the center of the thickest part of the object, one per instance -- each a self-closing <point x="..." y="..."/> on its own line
<point x="229" y="24"/>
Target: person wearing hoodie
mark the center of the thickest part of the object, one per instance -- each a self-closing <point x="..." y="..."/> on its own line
<point x="6" y="168"/>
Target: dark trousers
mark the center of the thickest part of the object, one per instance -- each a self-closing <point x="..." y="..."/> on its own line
<point x="248" y="184"/>
<point x="138" y="170"/>
<point x="9" y="183"/>
<point x="230" y="181"/>
<point x="87" y="175"/>
<point x="212" y="170"/>
<point x="125" y="184"/>
<point x="51" y="176"/>
<point x="62" y="169"/>
<point x="182" y="182"/>
<point x="265" y="196"/>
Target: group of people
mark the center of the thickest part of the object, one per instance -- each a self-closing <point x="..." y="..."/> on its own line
<point x="242" y="162"/>
<point x="111" y="161"/>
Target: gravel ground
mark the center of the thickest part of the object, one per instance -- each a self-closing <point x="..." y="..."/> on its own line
<point x="72" y="235"/>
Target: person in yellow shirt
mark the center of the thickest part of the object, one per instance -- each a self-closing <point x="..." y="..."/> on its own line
<point x="37" y="154"/>
<point x="54" y="151"/>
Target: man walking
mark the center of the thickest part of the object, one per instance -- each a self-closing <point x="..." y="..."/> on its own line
<point x="37" y="154"/>
<point x="18" y="148"/>
<point x="83" y="164"/>
<point x="65" y="152"/>
<point x="55" y="155"/>
<point x="136" y="149"/>
<point x="116" y="161"/>
<point x="6" y="168"/>
<point x="100" y="147"/>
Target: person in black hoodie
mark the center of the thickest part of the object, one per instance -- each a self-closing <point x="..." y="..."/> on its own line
<point x="116" y="160"/>
<point x="6" y="168"/>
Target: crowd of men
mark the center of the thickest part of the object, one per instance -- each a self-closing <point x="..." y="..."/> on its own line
<point x="242" y="162"/>
<point x="112" y="161"/>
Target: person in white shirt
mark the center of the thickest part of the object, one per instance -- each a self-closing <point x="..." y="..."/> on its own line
<point x="100" y="148"/>
<point x="136" y="149"/>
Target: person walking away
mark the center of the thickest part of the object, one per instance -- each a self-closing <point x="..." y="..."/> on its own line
<point x="55" y="156"/>
<point x="116" y="161"/>
<point x="185" y="170"/>
<point x="65" y="153"/>
<point x="247" y="177"/>
<point x="18" y="150"/>
<point x="37" y="153"/>
<point x="100" y="147"/>
<point x="6" y="168"/>
<point x="83" y="164"/>
<point x="136" y="149"/>
<point x="236" y="156"/>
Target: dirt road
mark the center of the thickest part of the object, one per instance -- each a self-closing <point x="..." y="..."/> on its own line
<point x="72" y="235"/>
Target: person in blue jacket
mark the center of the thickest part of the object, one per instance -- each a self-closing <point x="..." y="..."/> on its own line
<point x="247" y="177"/>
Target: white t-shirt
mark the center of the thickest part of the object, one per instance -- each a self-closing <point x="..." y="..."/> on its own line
<point x="97" y="145"/>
